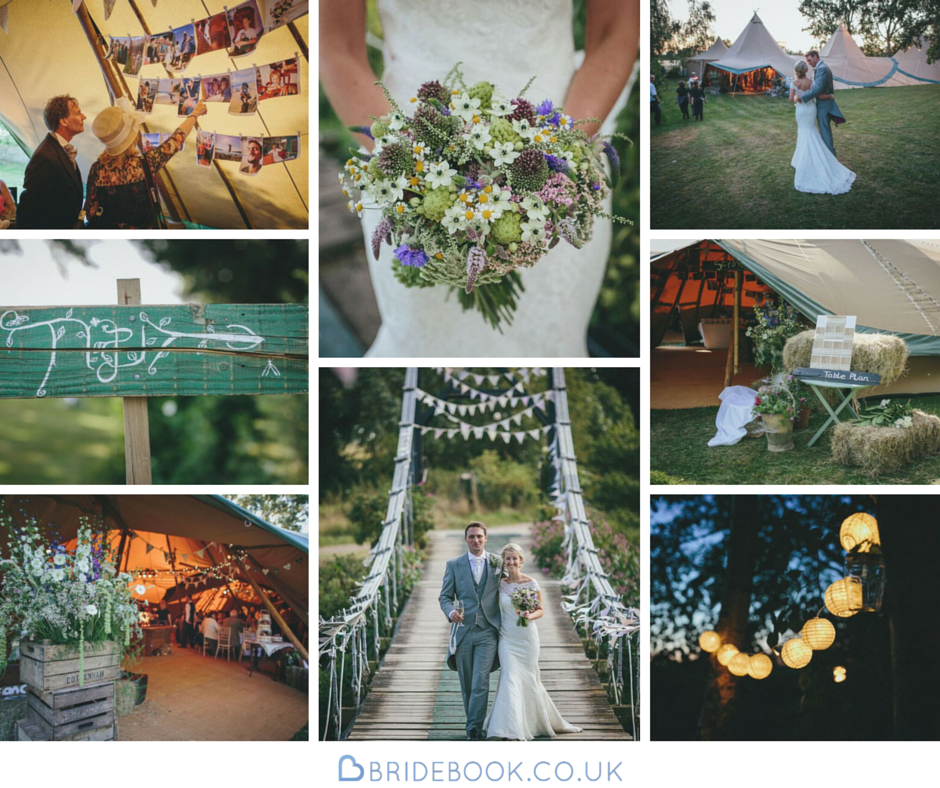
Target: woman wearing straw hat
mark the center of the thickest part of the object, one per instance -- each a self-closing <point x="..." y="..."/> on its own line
<point x="121" y="191"/>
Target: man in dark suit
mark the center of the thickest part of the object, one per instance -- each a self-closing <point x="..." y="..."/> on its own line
<point x="52" y="188"/>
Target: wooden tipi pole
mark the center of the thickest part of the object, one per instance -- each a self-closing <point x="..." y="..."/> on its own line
<point x="295" y="641"/>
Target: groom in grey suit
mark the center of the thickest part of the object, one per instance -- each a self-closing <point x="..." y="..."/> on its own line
<point x="473" y="578"/>
<point x="826" y="109"/>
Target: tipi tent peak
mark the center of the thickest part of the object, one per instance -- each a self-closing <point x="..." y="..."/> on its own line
<point x="696" y="65"/>
<point x="754" y="49"/>
<point x="852" y="69"/>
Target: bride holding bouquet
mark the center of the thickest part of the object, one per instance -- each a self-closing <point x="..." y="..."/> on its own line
<point x="506" y="42"/>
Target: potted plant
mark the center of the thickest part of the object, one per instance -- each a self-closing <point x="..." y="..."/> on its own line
<point x="776" y="407"/>
<point x="800" y="392"/>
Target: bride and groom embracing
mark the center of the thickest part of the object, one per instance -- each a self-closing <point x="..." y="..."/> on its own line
<point x="818" y="171"/>
<point x="476" y="597"/>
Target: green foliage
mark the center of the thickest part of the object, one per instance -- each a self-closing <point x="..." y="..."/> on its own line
<point x="504" y="482"/>
<point x="774" y="400"/>
<point x="888" y="413"/>
<point x="774" y="325"/>
<point x="290" y="512"/>
<point x="338" y="580"/>
<point x="367" y="513"/>
<point x="658" y="477"/>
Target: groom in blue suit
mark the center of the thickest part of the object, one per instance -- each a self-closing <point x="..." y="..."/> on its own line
<point x="473" y="578"/>
<point x="826" y="109"/>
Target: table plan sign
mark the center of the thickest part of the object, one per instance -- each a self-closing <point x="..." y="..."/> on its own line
<point x="149" y="351"/>
<point x="832" y="345"/>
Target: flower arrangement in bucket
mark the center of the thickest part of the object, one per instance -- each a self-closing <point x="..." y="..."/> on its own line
<point x="73" y="598"/>
<point x="473" y="186"/>
<point x="777" y="407"/>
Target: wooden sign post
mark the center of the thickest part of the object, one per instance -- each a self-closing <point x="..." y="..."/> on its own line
<point x="133" y="352"/>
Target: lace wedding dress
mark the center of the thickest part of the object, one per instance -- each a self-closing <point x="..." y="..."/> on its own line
<point x="506" y="42"/>
<point x="817" y="170"/>
<point x="522" y="709"/>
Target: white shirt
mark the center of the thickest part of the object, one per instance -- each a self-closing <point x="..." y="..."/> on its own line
<point x="477" y="565"/>
<point x="652" y="91"/>
<point x="211" y="629"/>
<point x="63" y="142"/>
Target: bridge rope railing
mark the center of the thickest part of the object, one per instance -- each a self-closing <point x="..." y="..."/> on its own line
<point x="592" y="602"/>
<point x="344" y="638"/>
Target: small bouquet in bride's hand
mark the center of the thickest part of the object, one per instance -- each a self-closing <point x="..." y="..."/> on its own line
<point x="473" y="185"/>
<point x="525" y="600"/>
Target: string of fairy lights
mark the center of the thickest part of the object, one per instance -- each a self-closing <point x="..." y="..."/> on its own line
<point x="860" y="591"/>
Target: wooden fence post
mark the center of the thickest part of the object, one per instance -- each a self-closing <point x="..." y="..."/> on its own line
<point x="136" y="423"/>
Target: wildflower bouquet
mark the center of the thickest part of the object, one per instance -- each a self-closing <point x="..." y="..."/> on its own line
<point x="48" y="593"/>
<point x="473" y="186"/>
<point x="525" y="600"/>
<point x="889" y="413"/>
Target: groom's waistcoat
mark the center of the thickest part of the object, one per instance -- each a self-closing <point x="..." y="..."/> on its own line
<point x="480" y="621"/>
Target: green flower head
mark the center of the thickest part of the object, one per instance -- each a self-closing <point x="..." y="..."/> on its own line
<point x="506" y="229"/>
<point x="436" y="203"/>
<point x="482" y="91"/>
<point x="501" y="130"/>
<point x="379" y="129"/>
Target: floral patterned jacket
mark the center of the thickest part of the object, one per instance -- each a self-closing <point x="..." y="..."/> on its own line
<point x="116" y="196"/>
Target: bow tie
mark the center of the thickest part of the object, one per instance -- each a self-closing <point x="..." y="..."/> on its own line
<point x="71" y="152"/>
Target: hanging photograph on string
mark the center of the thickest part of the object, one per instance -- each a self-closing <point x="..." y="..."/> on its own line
<point x="280" y="12"/>
<point x="278" y="79"/>
<point x="205" y="147"/>
<point x="135" y="56"/>
<point x="168" y="92"/>
<point x="217" y="88"/>
<point x="212" y="34"/>
<point x="244" y="92"/>
<point x="189" y="95"/>
<point x="245" y="27"/>
<point x="252" y="148"/>
<point x="184" y="47"/>
<point x="119" y="49"/>
<point x="149" y="141"/>
<point x="159" y="48"/>
<point x="228" y="148"/>
<point x="146" y="92"/>
<point x="280" y="149"/>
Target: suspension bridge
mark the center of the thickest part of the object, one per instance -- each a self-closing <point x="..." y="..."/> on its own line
<point x="588" y="657"/>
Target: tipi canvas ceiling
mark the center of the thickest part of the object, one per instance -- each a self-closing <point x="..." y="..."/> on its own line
<point x="47" y="52"/>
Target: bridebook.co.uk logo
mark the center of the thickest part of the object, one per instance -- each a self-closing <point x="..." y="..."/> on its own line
<point x="493" y="771"/>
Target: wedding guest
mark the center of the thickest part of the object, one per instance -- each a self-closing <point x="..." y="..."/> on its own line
<point x="163" y="613"/>
<point x="121" y="187"/>
<point x="211" y="633"/>
<point x="697" y="94"/>
<point x="237" y="626"/>
<point x="654" y="101"/>
<point x="189" y="622"/>
<point x="7" y="207"/>
<point x="682" y="99"/>
<point x="52" y="187"/>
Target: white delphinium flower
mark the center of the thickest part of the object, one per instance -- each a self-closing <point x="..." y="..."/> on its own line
<point x="499" y="198"/>
<point x="91" y="610"/>
<point x="533" y="232"/>
<point x="535" y="209"/>
<point x="500" y="105"/>
<point x="440" y="174"/>
<point x="523" y="128"/>
<point x="380" y="142"/>
<point x="478" y="136"/>
<point x="58" y="575"/>
<point x="479" y="225"/>
<point x="504" y="153"/>
<point x="454" y="220"/>
<point x="396" y="121"/>
<point x="466" y="107"/>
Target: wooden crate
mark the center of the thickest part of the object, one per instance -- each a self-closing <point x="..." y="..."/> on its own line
<point x="47" y="668"/>
<point x="64" y="714"/>
<point x="27" y="731"/>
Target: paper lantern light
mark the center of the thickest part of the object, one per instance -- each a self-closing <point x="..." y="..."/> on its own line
<point x="709" y="641"/>
<point x="844" y="597"/>
<point x="796" y="654"/>
<point x="859" y="531"/>
<point x="818" y="633"/>
<point x="759" y="666"/>
<point x="725" y="653"/>
<point x="739" y="664"/>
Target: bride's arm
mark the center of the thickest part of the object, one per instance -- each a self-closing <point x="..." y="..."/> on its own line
<point x="344" y="66"/>
<point x="611" y="43"/>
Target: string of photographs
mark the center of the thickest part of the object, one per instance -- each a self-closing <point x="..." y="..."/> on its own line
<point x="236" y="30"/>
<point x="251" y="153"/>
<point x="241" y="90"/>
<point x="489" y="404"/>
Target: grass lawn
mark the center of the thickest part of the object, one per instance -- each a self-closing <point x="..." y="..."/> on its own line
<point x="732" y="171"/>
<point x="679" y="454"/>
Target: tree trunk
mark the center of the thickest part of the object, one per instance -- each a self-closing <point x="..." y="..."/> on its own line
<point x="717" y="710"/>
<point x="910" y="541"/>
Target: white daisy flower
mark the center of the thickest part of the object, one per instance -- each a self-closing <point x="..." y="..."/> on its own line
<point x="466" y="107"/>
<point x="417" y="151"/>
<point x="489" y="212"/>
<point x="504" y="153"/>
<point x="533" y="232"/>
<point x="440" y="174"/>
<point x="478" y="136"/>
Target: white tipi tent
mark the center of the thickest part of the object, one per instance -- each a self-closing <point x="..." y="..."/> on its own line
<point x="912" y="62"/>
<point x="696" y="65"/>
<point x="755" y="49"/>
<point x="50" y="50"/>
<point x="852" y="69"/>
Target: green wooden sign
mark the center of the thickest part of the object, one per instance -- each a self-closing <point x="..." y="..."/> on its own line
<point x="151" y="351"/>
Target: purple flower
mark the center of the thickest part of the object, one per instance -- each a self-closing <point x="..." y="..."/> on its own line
<point x="383" y="232"/>
<point x="476" y="260"/>
<point x="408" y="256"/>
<point x="611" y="152"/>
<point x="556" y="163"/>
<point x="545" y="108"/>
<point x="362" y="130"/>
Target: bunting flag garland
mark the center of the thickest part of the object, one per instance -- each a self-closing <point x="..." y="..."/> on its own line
<point x="491" y="431"/>
<point x="488" y="402"/>
<point x="108" y="8"/>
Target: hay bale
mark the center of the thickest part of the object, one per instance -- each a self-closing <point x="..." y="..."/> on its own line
<point x="880" y="450"/>
<point x="882" y="354"/>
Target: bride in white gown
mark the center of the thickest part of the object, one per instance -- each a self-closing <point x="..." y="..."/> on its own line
<point x="507" y="42"/>
<point x="818" y="171"/>
<point x="522" y="709"/>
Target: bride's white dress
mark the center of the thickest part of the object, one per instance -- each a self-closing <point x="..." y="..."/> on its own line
<point x="817" y="170"/>
<point x="506" y="42"/>
<point x="522" y="709"/>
